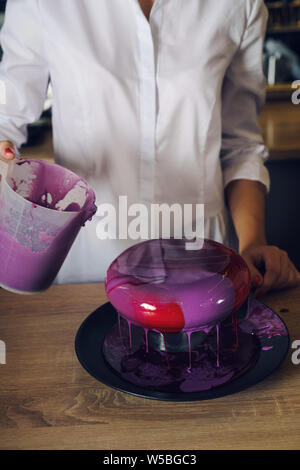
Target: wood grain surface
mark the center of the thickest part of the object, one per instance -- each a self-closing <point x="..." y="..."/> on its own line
<point x="48" y="401"/>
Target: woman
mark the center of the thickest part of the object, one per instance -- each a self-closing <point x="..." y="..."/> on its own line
<point x="157" y="101"/>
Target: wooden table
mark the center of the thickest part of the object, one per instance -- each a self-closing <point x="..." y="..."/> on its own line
<point x="48" y="401"/>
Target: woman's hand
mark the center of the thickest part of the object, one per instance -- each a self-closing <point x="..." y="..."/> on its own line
<point x="7" y="150"/>
<point x="279" y="271"/>
<point x="270" y="267"/>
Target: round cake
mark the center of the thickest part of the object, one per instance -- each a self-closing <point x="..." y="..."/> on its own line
<point x="163" y="286"/>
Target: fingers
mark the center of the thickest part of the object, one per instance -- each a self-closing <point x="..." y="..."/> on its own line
<point x="7" y="150"/>
<point x="272" y="262"/>
<point x="280" y="272"/>
<point x="286" y="273"/>
<point x="294" y="276"/>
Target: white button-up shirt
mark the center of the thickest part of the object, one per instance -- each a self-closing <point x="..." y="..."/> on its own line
<point x="162" y="111"/>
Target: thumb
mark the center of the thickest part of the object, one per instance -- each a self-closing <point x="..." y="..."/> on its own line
<point x="7" y="150"/>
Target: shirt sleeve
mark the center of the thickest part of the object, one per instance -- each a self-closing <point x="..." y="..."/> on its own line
<point x="23" y="70"/>
<point x="243" y="95"/>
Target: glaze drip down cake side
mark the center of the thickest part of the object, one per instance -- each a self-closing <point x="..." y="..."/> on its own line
<point x="177" y="310"/>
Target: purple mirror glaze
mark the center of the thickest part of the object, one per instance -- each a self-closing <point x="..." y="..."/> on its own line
<point x="159" y="285"/>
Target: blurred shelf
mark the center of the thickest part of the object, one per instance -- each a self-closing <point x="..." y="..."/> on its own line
<point x="283" y="29"/>
<point x="284" y="17"/>
<point x="280" y="124"/>
<point x="280" y="4"/>
<point x="279" y="91"/>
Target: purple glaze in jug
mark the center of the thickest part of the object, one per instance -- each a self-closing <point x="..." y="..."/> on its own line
<point x="42" y="208"/>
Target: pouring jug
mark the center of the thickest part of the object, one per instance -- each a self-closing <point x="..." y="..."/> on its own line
<point x="42" y="208"/>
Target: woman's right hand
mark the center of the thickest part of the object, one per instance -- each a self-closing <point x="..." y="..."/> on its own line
<point x="7" y="150"/>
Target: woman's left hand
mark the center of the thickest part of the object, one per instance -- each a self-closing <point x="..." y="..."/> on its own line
<point x="279" y="271"/>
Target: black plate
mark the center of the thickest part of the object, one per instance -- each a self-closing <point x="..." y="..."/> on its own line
<point x="91" y="334"/>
